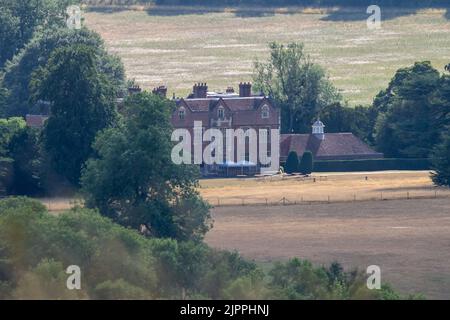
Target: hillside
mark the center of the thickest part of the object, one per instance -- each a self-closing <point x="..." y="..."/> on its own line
<point x="178" y="46"/>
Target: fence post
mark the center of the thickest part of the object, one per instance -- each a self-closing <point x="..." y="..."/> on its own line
<point x="407" y="195"/>
<point x="381" y="195"/>
<point x="284" y="201"/>
<point x="266" y="202"/>
<point x="243" y="204"/>
<point x="218" y="202"/>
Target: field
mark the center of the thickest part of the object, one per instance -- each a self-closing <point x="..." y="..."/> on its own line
<point x="408" y="239"/>
<point x="327" y="187"/>
<point x="180" y="46"/>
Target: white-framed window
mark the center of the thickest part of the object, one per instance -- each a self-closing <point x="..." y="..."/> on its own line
<point x="181" y="113"/>
<point x="221" y="113"/>
<point x="265" y="112"/>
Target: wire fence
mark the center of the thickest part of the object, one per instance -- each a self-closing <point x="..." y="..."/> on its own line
<point x="323" y="199"/>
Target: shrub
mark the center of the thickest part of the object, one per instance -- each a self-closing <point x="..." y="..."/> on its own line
<point x="441" y="163"/>
<point x="119" y="263"/>
<point x="306" y="164"/>
<point x="292" y="162"/>
<point x="371" y="165"/>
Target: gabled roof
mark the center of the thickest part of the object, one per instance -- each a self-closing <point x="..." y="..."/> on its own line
<point x="233" y="103"/>
<point x="333" y="146"/>
<point x="35" y="120"/>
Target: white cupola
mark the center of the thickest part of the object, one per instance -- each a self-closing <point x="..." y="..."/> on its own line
<point x="318" y="129"/>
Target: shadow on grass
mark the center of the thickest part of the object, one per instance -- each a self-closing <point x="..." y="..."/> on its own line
<point x="238" y="11"/>
<point x="107" y="9"/>
<point x="341" y="14"/>
<point x="360" y="14"/>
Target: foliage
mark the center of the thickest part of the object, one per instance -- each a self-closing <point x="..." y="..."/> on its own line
<point x="371" y="165"/>
<point x="134" y="180"/>
<point x="299" y="279"/>
<point x="20" y="154"/>
<point x="119" y="263"/>
<point x="441" y="162"/>
<point x="359" y="120"/>
<point x="298" y="86"/>
<point x="306" y="163"/>
<point x="292" y="162"/>
<point x="15" y="84"/>
<point x="82" y="103"/>
<point x="21" y="19"/>
<point x="413" y="111"/>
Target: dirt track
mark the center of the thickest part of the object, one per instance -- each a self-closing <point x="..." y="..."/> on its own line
<point x="408" y="239"/>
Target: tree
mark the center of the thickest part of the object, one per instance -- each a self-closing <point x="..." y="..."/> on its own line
<point x="25" y="150"/>
<point x="298" y="86"/>
<point x="306" y="163"/>
<point x="292" y="162"/>
<point x="406" y="126"/>
<point x="9" y="34"/>
<point x="441" y="162"/>
<point x="17" y="78"/>
<point x="82" y="101"/>
<point x="134" y="180"/>
<point x="359" y="120"/>
<point x="21" y="153"/>
<point x="21" y="19"/>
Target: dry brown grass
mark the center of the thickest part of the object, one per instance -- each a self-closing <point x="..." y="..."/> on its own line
<point x="408" y="239"/>
<point x="180" y="46"/>
<point x="327" y="187"/>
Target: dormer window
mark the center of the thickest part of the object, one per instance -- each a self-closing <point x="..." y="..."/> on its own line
<point x="181" y="113"/>
<point x="220" y="113"/>
<point x="265" y="112"/>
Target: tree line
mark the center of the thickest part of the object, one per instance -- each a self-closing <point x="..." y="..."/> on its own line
<point x="408" y="119"/>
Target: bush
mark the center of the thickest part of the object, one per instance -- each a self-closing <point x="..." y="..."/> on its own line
<point x="371" y="165"/>
<point x="306" y="164"/>
<point x="292" y="162"/>
<point x="119" y="263"/>
<point x="441" y="163"/>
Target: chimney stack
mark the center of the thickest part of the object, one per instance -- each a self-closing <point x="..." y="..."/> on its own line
<point x="161" y="91"/>
<point x="230" y="90"/>
<point x="245" y="89"/>
<point x="134" y="89"/>
<point x="200" y="90"/>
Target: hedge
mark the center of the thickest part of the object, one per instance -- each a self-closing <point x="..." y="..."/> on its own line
<point x="371" y="165"/>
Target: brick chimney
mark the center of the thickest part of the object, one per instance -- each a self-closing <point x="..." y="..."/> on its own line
<point x="200" y="90"/>
<point x="245" y="89"/>
<point x="134" y="89"/>
<point x="161" y="91"/>
<point x="230" y="90"/>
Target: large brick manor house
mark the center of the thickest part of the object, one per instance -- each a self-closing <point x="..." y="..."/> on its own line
<point x="244" y="110"/>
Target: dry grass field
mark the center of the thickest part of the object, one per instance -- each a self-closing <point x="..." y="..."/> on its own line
<point x="408" y="239"/>
<point x="180" y="46"/>
<point x="327" y="187"/>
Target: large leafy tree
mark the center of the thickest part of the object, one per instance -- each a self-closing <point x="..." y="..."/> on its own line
<point x="441" y="162"/>
<point x="359" y="120"/>
<point x="15" y="84"/>
<point x="134" y="180"/>
<point x="300" y="87"/>
<point x="409" y="122"/>
<point x="20" y="19"/>
<point x="82" y="102"/>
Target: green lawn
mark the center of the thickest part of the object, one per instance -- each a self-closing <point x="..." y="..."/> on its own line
<point x="218" y="46"/>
